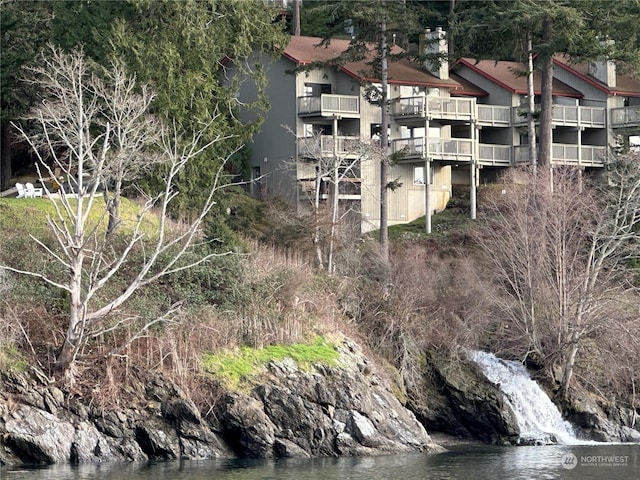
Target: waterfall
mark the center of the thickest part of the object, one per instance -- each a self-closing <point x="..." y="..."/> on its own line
<point x="539" y="419"/>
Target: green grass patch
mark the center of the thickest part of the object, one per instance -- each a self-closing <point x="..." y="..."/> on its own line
<point x="29" y="215"/>
<point x="12" y="360"/>
<point x="442" y="225"/>
<point x="236" y="369"/>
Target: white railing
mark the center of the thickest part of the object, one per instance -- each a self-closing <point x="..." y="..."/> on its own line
<point x="593" y="155"/>
<point x="499" y="155"/>
<point x="409" y="147"/>
<point x="566" y="115"/>
<point x="434" y="107"/>
<point x="329" y="104"/>
<point x="592" y="116"/>
<point x="586" y="155"/>
<point x="494" y="115"/>
<point x="451" y="149"/>
<point x="316" y="147"/>
<point x="625" y="116"/>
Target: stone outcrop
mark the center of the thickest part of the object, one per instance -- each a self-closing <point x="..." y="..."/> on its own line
<point x="595" y="418"/>
<point x="458" y="400"/>
<point x="330" y="411"/>
<point x="40" y="425"/>
<point x="343" y="409"/>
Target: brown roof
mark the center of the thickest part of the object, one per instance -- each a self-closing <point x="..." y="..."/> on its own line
<point x="625" y="84"/>
<point x="510" y="75"/>
<point x="306" y="50"/>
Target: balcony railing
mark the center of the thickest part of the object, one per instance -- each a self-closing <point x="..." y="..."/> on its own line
<point x="327" y="105"/>
<point x="587" y="155"/>
<point x="348" y="188"/>
<point x="625" y="117"/>
<point x="437" y="149"/>
<point x="493" y="115"/>
<point x="322" y="146"/>
<point x="496" y="155"/>
<point x="592" y="117"/>
<point x="409" y="147"/>
<point x="433" y="107"/>
<point x="566" y="115"/>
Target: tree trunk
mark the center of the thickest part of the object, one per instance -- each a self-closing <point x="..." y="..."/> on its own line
<point x="113" y="208"/>
<point x="546" y="101"/>
<point x="5" y="158"/>
<point x="296" y="18"/>
<point x="75" y="330"/>
<point x="318" y="226"/>
<point x="531" y="122"/>
<point x="568" y="367"/>
<point x="384" y="141"/>
<point x="336" y="196"/>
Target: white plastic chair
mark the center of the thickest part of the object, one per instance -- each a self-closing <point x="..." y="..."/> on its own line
<point x="31" y="191"/>
<point x="21" y="191"/>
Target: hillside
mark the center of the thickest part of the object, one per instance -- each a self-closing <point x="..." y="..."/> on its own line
<point x="437" y="298"/>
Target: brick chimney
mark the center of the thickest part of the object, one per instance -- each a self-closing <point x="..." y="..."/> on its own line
<point x="435" y="44"/>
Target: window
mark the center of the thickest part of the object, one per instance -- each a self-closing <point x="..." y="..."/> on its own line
<point x="316" y="89"/>
<point x="418" y="175"/>
<point x="376" y="131"/>
<point x="308" y="130"/>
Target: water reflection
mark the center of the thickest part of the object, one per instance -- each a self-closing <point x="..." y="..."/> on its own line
<point x="465" y="462"/>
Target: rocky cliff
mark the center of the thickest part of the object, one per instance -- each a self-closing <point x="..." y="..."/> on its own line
<point x="342" y="409"/>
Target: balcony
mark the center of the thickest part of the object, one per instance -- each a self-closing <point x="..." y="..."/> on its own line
<point x="454" y="150"/>
<point x="494" y="155"/>
<point x="566" y="116"/>
<point x="328" y="105"/>
<point x="323" y="146"/>
<point x="625" y="117"/>
<point x="348" y="188"/>
<point x="494" y="116"/>
<point x="566" y="154"/>
<point x="439" y="108"/>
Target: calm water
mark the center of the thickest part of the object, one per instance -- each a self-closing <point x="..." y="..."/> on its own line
<point x="598" y="462"/>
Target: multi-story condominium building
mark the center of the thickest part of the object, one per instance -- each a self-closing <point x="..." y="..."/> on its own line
<point x="445" y="127"/>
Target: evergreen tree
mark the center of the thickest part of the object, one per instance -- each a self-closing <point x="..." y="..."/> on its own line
<point x="179" y="48"/>
<point x="24" y="30"/>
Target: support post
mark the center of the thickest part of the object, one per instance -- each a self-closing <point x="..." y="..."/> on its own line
<point x="473" y="193"/>
<point x="427" y="176"/>
<point x="473" y="180"/>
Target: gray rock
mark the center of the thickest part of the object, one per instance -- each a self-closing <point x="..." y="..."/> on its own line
<point x="287" y="449"/>
<point x="247" y="428"/>
<point x="90" y="446"/>
<point x="363" y="430"/>
<point x="458" y="400"/>
<point x="343" y="409"/>
<point x="628" y="434"/>
<point x="157" y="442"/>
<point x="36" y="436"/>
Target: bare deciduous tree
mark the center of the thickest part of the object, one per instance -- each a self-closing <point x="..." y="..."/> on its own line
<point x="78" y="123"/>
<point x="560" y="259"/>
<point x="328" y="167"/>
<point x="125" y="109"/>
